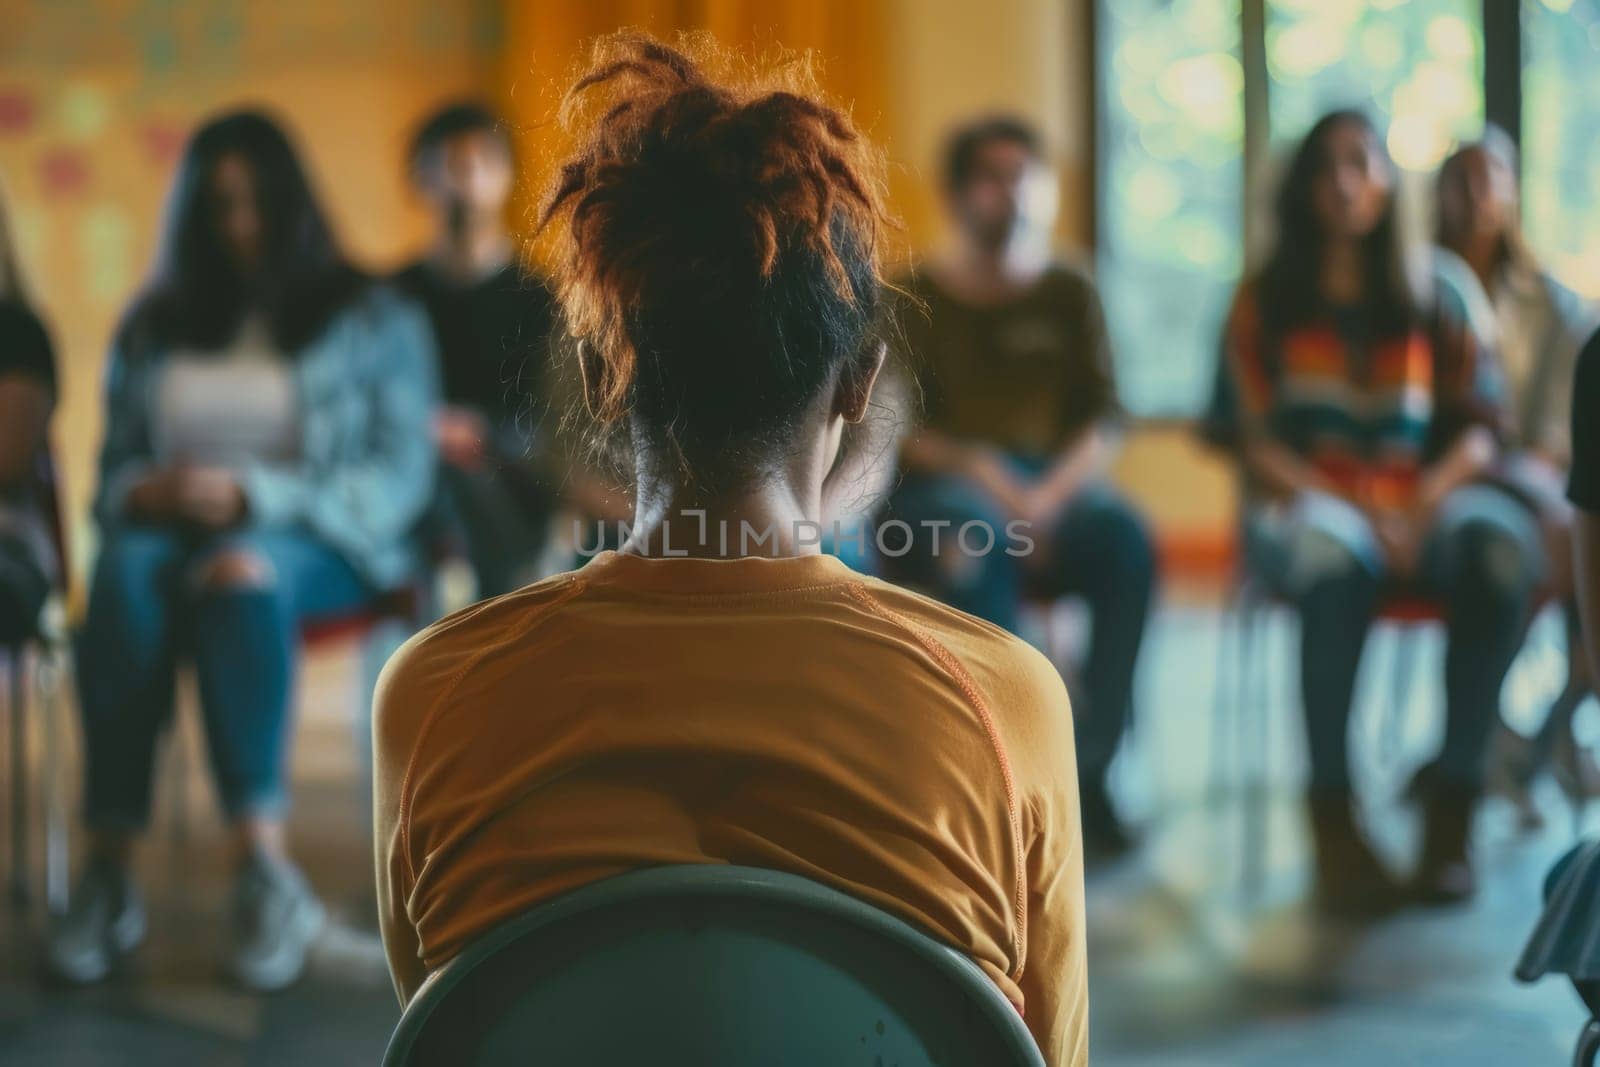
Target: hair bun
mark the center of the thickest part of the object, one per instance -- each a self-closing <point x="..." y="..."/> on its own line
<point x="683" y="184"/>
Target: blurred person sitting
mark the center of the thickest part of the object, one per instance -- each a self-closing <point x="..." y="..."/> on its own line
<point x="1366" y="408"/>
<point x="267" y="454"/>
<point x="718" y="690"/>
<point x="1538" y="325"/>
<point x="28" y="565"/>
<point x="1009" y="346"/>
<point x="491" y="321"/>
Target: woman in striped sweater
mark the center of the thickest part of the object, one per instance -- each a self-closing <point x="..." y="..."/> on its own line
<point x="1366" y="409"/>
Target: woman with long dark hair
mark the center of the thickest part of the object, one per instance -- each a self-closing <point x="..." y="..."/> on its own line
<point x="267" y="452"/>
<point x="1366" y="409"/>
<point x="1539" y="326"/>
<point x="718" y="690"/>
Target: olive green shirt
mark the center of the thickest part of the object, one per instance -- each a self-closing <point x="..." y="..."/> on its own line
<point x="1027" y="376"/>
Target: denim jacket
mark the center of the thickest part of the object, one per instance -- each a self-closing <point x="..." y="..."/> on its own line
<point x="367" y="389"/>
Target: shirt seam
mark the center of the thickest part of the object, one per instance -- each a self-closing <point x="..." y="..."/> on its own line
<point x="969" y="689"/>
<point x="407" y="783"/>
<point x="729" y="594"/>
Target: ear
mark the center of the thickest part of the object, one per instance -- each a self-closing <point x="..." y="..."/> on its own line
<point x="854" y="391"/>
<point x="592" y="369"/>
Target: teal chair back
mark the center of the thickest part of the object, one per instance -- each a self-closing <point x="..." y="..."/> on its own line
<point x="707" y="965"/>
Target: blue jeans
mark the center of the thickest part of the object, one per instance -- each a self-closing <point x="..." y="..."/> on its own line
<point x="1481" y="561"/>
<point x="1098" y="548"/>
<point x="149" y="604"/>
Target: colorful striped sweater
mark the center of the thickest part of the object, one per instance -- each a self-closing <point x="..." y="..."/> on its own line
<point x="1368" y="413"/>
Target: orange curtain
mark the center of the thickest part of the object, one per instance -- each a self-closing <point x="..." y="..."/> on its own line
<point x="544" y="39"/>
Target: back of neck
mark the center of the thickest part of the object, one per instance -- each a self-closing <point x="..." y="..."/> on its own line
<point x="774" y="520"/>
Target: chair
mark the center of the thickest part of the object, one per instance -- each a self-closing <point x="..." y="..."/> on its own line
<point x="1241" y="720"/>
<point x="709" y="965"/>
<point x="1243" y="620"/>
<point x="1566" y="940"/>
<point x="50" y="667"/>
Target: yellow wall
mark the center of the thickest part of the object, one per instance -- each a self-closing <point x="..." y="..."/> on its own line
<point x="545" y="42"/>
<point x="952" y="60"/>
<point x="107" y="89"/>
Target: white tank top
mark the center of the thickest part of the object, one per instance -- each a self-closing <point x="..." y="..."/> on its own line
<point x="230" y="407"/>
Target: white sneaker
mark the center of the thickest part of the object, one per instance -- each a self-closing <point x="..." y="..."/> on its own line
<point x="276" y="920"/>
<point x="105" y="922"/>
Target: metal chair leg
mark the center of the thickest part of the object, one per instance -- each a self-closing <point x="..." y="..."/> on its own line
<point x="51" y="676"/>
<point x="1252" y="756"/>
<point x="1588" y="1045"/>
<point x="16" y="666"/>
<point x="1224" y="697"/>
<point x="178" y="764"/>
<point x="1240" y="740"/>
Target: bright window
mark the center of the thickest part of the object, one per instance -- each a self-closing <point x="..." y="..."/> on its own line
<point x="1561" y="137"/>
<point x="1415" y="66"/>
<point x="1170" y="157"/>
<point x="1170" y="104"/>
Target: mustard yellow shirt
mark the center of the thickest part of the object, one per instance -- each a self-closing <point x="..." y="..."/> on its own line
<point x="780" y="713"/>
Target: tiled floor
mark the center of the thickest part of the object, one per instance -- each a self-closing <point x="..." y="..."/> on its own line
<point x="1190" y="966"/>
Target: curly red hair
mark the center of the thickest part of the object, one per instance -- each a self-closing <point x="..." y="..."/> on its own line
<point x="687" y="189"/>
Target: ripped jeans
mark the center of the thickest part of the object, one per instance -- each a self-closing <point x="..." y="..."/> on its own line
<point x="151" y="603"/>
<point x="1482" y="560"/>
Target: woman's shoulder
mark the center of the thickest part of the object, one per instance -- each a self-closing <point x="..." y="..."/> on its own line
<point x="1245" y="299"/>
<point x="434" y="661"/>
<point x="393" y="320"/>
<point x="1451" y="296"/>
<point x="1002" y="666"/>
<point x="1008" y="682"/>
<point x="1248" y="287"/>
<point x="1069" y="274"/>
<point x="1243" y="311"/>
<point x="1439" y="273"/>
<point x="468" y="631"/>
